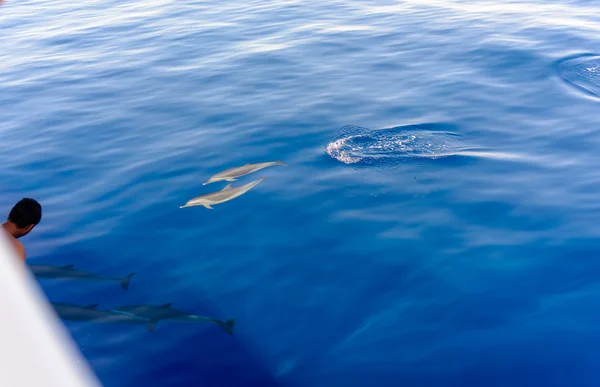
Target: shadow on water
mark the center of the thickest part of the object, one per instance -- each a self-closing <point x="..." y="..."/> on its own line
<point x="204" y="354"/>
<point x="206" y="357"/>
<point x="180" y="354"/>
<point x="176" y="352"/>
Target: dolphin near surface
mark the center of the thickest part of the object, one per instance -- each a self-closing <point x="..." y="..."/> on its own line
<point x="232" y="174"/>
<point x="226" y="194"/>
<point x="155" y="313"/>
<point x="68" y="272"/>
<point x="91" y="313"/>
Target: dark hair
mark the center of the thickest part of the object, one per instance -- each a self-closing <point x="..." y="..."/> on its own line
<point x="26" y="212"/>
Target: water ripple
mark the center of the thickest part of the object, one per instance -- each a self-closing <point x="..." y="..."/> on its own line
<point x="582" y="72"/>
<point x="356" y="145"/>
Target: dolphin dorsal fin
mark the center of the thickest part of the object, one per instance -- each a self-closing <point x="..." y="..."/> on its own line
<point x="69" y="266"/>
<point x="228" y="186"/>
<point x="168" y="305"/>
<point x="91" y="306"/>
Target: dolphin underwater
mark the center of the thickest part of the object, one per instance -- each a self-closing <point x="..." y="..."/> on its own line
<point x="232" y="174"/>
<point x="154" y="313"/>
<point x="90" y="313"/>
<point x="222" y="196"/>
<point x="67" y="272"/>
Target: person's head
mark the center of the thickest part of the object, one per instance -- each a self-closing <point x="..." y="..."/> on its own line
<point x="25" y="215"/>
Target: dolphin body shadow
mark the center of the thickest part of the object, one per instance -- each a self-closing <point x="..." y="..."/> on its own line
<point x="90" y="312"/>
<point x="69" y="272"/>
<point x="155" y="313"/>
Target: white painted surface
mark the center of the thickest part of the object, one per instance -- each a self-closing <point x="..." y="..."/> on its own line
<point x="35" y="348"/>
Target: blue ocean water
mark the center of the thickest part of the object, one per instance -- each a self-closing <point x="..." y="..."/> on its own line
<point x="437" y="223"/>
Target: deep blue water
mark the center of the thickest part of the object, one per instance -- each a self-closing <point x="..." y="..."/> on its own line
<point x="458" y="246"/>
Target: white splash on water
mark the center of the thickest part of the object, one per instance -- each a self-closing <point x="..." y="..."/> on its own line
<point x="335" y="150"/>
<point x="387" y="147"/>
<point x="390" y="145"/>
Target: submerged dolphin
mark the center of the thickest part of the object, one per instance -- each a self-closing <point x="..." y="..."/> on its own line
<point x="90" y="313"/>
<point x="221" y="196"/>
<point x="67" y="272"/>
<point x="154" y="313"/>
<point x="233" y="174"/>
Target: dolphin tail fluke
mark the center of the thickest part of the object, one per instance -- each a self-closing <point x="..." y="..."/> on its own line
<point x="279" y="162"/>
<point x="151" y="325"/>
<point x="228" y="326"/>
<point x="125" y="281"/>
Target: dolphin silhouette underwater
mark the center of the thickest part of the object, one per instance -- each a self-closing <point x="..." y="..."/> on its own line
<point x="226" y="194"/>
<point x="68" y="272"/>
<point x="232" y="174"/>
<point x="90" y="313"/>
<point x="155" y="313"/>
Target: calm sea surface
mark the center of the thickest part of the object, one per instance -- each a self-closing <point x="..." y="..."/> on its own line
<point x="438" y="223"/>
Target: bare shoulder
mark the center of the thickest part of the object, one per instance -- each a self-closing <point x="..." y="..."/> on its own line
<point x="19" y="248"/>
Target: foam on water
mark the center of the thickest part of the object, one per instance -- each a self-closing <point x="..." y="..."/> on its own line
<point x="582" y="72"/>
<point x="357" y="145"/>
<point x="395" y="146"/>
